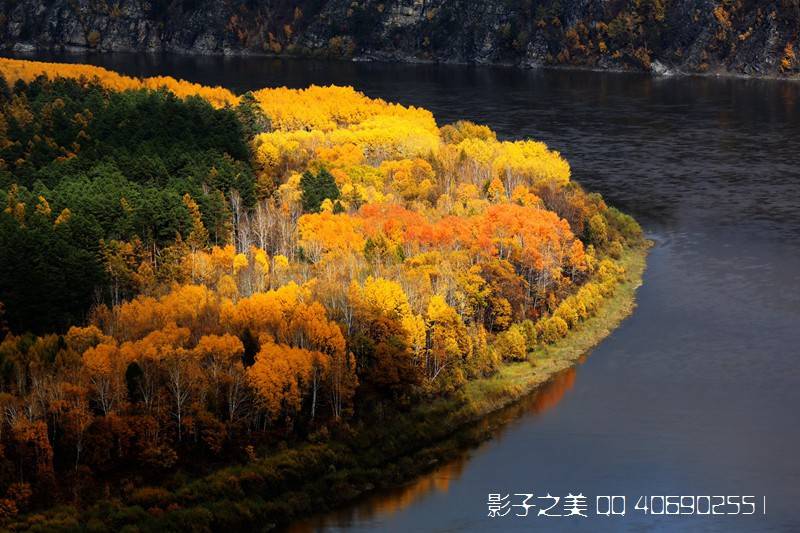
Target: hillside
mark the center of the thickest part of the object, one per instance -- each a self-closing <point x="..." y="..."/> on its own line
<point x="749" y="37"/>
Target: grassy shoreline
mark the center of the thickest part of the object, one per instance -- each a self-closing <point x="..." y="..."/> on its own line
<point x="320" y="476"/>
<point x="515" y="380"/>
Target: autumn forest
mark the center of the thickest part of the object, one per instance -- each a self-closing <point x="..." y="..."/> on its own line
<point x="191" y="278"/>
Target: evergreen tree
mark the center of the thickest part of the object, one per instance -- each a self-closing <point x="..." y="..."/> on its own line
<point x="251" y="116"/>
<point x="316" y="188"/>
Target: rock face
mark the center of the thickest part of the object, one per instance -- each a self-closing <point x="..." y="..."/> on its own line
<point x="750" y="37"/>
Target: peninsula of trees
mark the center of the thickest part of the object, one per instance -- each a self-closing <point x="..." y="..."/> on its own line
<point x="191" y="278"/>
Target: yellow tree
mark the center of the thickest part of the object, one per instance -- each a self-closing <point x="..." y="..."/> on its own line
<point x="329" y="236"/>
<point x="496" y="191"/>
<point x="312" y="330"/>
<point x="449" y="344"/>
<point x="150" y="353"/>
<point x="106" y="369"/>
<point x="381" y="296"/>
<point x="222" y="355"/>
<point x="198" y="236"/>
<point x="279" y="375"/>
<point x="410" y="178"/>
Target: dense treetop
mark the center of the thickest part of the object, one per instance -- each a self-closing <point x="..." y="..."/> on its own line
<point x="26" y="71"/>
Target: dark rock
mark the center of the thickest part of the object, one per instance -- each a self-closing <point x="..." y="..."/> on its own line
<point x="749" y="37"/>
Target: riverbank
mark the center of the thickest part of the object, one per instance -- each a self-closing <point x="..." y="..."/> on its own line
<point x="515" y="380"/>
<point x="329" y="472"/>
<point x="748" y="39"/>
<point x="85" y="55"/>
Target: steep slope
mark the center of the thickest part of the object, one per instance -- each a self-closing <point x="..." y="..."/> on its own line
<point x="752" y="37"/>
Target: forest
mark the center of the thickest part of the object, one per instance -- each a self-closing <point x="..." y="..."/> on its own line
<point x="191" y="278"/>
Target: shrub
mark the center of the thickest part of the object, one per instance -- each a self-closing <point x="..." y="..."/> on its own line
<point x="566" y="311"/>
<point x="151" y="497"/>
<point x="610" y="272"/>
<point x="552" y="329"/>
<point x="623" y="226"/>
<point x="590" y="297"/>
<point x="485" y="359"/>
<point x="512" y="344"/>
<point x="597" y="231"/>
<point x="529" y="329"/>
<point x="615" y="250"/>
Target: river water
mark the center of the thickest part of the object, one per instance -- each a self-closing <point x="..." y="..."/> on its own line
<point x="696" y="393"/>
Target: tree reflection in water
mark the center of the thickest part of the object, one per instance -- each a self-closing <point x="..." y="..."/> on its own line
<point x="387" y="502"/>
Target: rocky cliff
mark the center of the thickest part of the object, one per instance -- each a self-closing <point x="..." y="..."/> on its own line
<point x="751" y="37"/>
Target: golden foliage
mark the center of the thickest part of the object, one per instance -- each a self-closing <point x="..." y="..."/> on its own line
<point x="329" y="236"/>
<point x="27" y="71"/>
<point x="280" y="375"/>
<point x="440" y="249"/>
<point x="332" y="108"/>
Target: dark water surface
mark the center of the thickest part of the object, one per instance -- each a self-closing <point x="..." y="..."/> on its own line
<point x="697" y="393"/>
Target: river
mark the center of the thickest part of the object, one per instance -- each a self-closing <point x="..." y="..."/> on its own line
<point x="696" y="393"/>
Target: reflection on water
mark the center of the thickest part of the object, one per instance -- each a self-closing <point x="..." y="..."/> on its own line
<point x="390" y="501"/>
